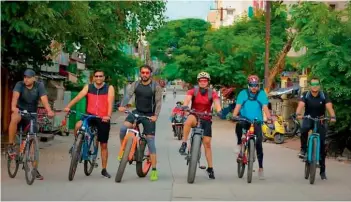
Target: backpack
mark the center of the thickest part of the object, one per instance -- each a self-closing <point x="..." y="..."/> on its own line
<point x="252" y="98"/>
<point x="196" y="91"/>
<point x="153" y="88"/>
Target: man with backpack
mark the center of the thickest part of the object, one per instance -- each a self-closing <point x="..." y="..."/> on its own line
<point x="148" y="101"/>
<point x="315" y="102"/>
<point x="250" y="103"/>
<point x="26" y="96"/>
<point x="201" y="97"/>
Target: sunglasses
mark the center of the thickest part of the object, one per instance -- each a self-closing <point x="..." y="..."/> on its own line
<point x="315" y="84"/>
<point x="99" y="76"/>
<point x="203" y="81"/>
<point x="145" y="73"/>
<point x="251" y="85"/>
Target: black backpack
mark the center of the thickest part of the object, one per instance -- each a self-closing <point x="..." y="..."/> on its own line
<point x="252" y="98"/>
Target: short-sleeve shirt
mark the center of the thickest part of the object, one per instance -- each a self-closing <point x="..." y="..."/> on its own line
<point x="252" y="108"/>
<point x="29" y="98"/>
<point x="315" y="106"/>
<point x="201" y="102"/>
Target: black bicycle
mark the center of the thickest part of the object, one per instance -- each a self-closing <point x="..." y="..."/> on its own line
<point x="194" y="151"/>
<point x="27" y="142"/>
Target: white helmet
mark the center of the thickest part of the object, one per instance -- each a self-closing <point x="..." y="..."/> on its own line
<point x="203" y="75"/>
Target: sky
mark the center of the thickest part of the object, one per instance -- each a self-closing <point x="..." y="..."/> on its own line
<point x="178" y="9"/>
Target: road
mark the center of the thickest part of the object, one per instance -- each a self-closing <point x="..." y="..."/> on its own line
<point x="283" y="173"/>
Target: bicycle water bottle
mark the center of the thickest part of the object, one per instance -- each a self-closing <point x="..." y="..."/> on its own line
<point x="251" y="130"/>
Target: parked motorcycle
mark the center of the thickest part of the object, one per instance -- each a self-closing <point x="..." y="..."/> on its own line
<point x="178" y="122"/>
<point x="292" y="126"/>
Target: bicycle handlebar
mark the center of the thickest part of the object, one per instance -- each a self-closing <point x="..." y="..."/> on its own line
<point x="317" y="119"/>
<point x="26" y="113"/>
<point x="191" y="111"/>
<point x="137" y="115"/>
<point x="244" y="119"/>
<point x="82" y="114"/>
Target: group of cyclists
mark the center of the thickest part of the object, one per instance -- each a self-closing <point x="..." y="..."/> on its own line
<point x="250" y="103"/>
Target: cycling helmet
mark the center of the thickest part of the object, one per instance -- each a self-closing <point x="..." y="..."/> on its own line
<point x="253" y="79"/>
<point x="203" y="75"/>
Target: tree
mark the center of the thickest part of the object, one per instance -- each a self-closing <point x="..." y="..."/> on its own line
<point x="327" y="36"/>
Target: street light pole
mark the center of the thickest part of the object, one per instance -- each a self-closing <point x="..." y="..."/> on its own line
<point x="268" y="29"/>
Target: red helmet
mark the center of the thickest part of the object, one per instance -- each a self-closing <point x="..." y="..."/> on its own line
<point x="253" y="79"/>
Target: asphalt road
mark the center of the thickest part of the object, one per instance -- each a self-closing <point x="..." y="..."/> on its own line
<point x="283" y="173"/>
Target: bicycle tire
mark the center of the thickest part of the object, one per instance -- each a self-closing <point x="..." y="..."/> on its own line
<point x="179" y="132"/>
<point x="241" y="164"/>
<point x="250" y="160"/>
<point x="32" y="141"/>
<point x="142" y="165"/>
<point x="194" y="157"/>
<point x="313" y="163"/>
<point x="124" y="160"/>
<point x="89" y="170"/>
<point x="75" y="157"/>
<point x="307" y="170"/>
<point x="9" y="161"/>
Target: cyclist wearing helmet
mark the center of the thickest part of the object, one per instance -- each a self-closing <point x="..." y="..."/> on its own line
<point x="250" y="103"/>
<point x="176" y="110"/>
<point x="202" y="98"/>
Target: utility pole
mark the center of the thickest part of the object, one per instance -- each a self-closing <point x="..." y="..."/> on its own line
<point x="268" y="30"/>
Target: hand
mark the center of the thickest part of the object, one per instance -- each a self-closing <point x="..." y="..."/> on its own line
<point x="333" y="119"/>
<point x="15" y="110"/>
<point x="105" y="119"/>
<point x="121" y="109"/>
<point x="219" y="113"/>
<point x="269" y="120"/>
<point x="51" y="113"/>
<point x="153" y="118"/>
<point x="66" y="109"/>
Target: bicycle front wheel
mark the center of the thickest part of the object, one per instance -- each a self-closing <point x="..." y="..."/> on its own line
<point x="124" y="160"/>
<point x="240" y="162"/>
<point x="76" y="155"/>
<point x="13" y="162"/>
<point x="194" y="157"/>
<point x="251" y="158"/>
<point x="31" y="159"/>
<point x="313" y="163"/>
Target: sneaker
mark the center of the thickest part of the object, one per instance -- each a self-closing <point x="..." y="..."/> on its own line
<point x="154" y="175"/>
<point x="120" y="156"/>
<point x="38" y="176"/>
<point x="210" y="173"/>
<point x="12" y="150"/>
<point x="260" y="174"/>
<point x="182" y="148"/>
<point x="323" y="176"/>
<point x="105" y="173"/>
<point x="302" y="154"/>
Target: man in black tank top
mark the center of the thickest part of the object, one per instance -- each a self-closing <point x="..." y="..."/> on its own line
<point x="148" y="101"/>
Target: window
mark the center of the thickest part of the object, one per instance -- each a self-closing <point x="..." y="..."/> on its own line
<point x="332" y="6"/>
<point x="230" y="12"/>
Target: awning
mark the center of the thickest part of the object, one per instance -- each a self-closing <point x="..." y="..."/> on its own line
<point x="282" y="91"/>
<point x="52" y="76"/>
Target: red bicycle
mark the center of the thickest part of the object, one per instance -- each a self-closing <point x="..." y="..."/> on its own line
<point x="246" y="155"/>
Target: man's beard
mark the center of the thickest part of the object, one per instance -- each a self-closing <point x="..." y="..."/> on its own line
<point x="145" y="78"/>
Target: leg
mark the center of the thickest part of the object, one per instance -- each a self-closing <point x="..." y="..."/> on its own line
<point x="127" y="124"/>
<point x="15" y="120"/>
<point x="189" y="123"/>
<point x="238" y="132"/>
<point x="103" y="136"/>
<point x="322" y="132"/>
<point x="207" y="127"/>
<point x="149" y="130"/>
<point x="76" y="127"/>
<point x="305" y="128"/>
<point x="259" y="150"/>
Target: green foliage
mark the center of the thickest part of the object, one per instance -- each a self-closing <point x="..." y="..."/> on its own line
<point x="326" y="34"/>
<point x="98" y="27"/>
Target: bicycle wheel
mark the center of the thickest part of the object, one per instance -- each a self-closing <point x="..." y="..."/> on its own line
<point x="124" y="160"/>
<point x="12" y="159"/>
<point x="143" y="163"/>
<point x="194" y="157"/>
<point x="307" y="170"/>
<point x="240" y="162"/>
<point x="32" y="147"/>
<point x="92" y="152"/>
<point x="251" y="158"/>
<point x="76" y="155"/>
<point x="313" y="163"/>
<point x="179" y="132"/>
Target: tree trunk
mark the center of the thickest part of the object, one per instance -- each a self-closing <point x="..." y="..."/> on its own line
<point x="278" y="67"/>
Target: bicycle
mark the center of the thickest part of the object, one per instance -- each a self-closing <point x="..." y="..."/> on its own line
<point x="194" y="151"/>
<point x="133" y="149"/>
<point x="22" y="152"/>
<point x="246" y="155"/>
<point x="313" y="150"/>
<point x="87" y="148"/>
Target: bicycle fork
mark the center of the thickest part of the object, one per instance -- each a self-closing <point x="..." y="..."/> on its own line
<point x="310" y="148"/>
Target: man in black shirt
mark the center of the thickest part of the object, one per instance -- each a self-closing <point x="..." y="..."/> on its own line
<point x="315" y="102"/>
<point x="148" y="101"/>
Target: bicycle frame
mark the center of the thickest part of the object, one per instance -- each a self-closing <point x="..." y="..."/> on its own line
<point x="28" y="130"/>
<point x="88" y="137"/>
<point x="310" y="140"/>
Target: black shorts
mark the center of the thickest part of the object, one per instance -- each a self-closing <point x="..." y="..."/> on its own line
<point x="103" y="129"/>
<point x="206" y="125"/>
<point x="24" y="123"/>
<point x="148" y="125"/>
